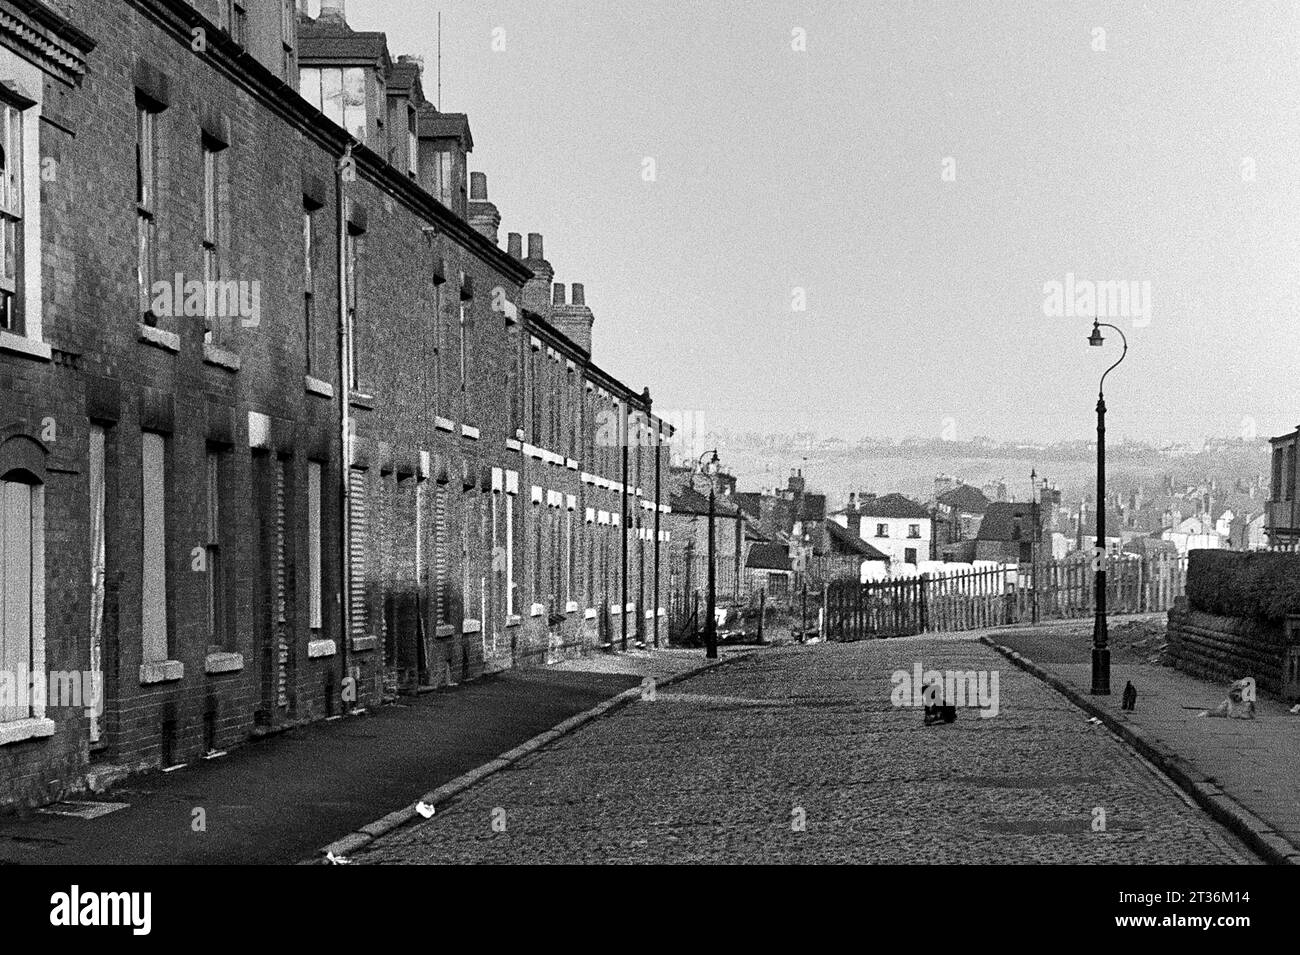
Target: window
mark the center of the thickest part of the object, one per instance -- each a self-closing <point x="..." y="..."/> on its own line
<point x="909" y="555"/>
<point x="309" y="290"/>
<point x="537" y="553"/>
<point x="315" y="511"/>
<point x="914" y="530"/>
<point x="233" y="18"/>
<point x="882" y="530"/>
<point x="412" y="143"/>
<point x="358" y="606"/>
<point x="212" y="549"/>
<point x="338" y="93"/>
<point x="96" y="475"/>
<point x="442" y="178"/>
<point x="1290" y="473"/>
<point x="22" y="586"/>
<point x="288" y="23"/>
<point x="146" y="189"/>
<point x="1277" y="474"/>
<point x="153" y="490"/>
<point x="442" y="587"/>
<point x="11" y="219"/>
<point x="463" y="330"/>
<point x="213" y="173"/>
<point x="350" y="255"/>
<point x="510" y="555"/>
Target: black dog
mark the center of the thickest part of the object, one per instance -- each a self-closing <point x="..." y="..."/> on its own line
<point x="941" y="711"/>
<point x="1130" y="698"/>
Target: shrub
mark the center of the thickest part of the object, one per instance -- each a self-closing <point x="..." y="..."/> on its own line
<point x="1257" y="585"/>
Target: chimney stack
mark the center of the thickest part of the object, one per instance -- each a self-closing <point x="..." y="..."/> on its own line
<point x="332" y="11"/>
<point x="483" y="215"/>
<point x="575" y="319"/>
<point x="515" y="245"/>
<point x="557" y="294"/>
<point x="537" y="290"/>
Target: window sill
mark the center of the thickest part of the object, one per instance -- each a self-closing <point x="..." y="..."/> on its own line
<point x="589" y="613"/>
<point x="223" y="662"/>
<point x="320" y="648"/>
<point x="571" y="607"/>
<point x="470" y="626"/>
<point x="167" y="341"/>
<point x="444" y="630"/>
<point x="514" y="620"/>
<point x="317" y="387"/>
<point x="215" y="355"/>
<point x="24" y="346"/>
<point x="469" y="431"/>
<point x="361" y="400"/>
<point x="513" y="445"/>
<point x="361" y="644"/>
<point x="164" y="671"/>
<point x="36" y="727"/>
<point x="536" y="610"/>
<point x="443" y="424"/>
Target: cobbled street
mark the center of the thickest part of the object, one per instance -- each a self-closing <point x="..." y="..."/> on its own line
<point x="724" y="767"/>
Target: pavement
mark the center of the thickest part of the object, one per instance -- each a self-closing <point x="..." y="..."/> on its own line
<point x="1245" y="771"/>
<point x="798" y="754"/>
<point x="279" y="799"/>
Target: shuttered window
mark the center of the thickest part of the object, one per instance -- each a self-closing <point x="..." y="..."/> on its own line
<point x="282" y="651"/>
<point x="441" y="588"/>
<point x="359" y="530"/>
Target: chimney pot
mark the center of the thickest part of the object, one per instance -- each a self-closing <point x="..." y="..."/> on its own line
<point x="478" y="186"/>
<point x="557" y="293"/>
<point x="579" y="294"/>
<point x="515" y="245"/>
<point x="535" y="245"/>
<point x="332" y="10"/>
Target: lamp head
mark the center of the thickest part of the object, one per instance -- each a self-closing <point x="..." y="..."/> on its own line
<point x="1095" y="338"/>
<point x="712" y="466"/>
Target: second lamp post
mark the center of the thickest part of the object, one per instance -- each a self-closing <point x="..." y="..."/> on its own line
<point x="1100" y="639"/>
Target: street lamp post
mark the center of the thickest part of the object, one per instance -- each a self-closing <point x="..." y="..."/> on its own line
<point x="711" y="618"/>
<point x="1100" y="639"/>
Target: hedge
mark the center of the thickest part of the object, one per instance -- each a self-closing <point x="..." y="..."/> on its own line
<point x="1258" y="585"/>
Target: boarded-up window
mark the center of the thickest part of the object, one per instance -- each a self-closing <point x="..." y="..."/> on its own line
<point x="17" y="581"/>
<point x="314" y="498"/>
<point x="153" y="603"/>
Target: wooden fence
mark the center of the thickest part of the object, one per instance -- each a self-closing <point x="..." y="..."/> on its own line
<point x="998" y="596"/>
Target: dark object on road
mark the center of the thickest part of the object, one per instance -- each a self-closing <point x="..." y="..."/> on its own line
<point x="1130" y="698"/>
<point x="940" y="711"/>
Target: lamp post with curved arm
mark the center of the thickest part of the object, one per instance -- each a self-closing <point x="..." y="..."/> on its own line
<point x="1100" y="638"/>
<point x="711" y="621"/>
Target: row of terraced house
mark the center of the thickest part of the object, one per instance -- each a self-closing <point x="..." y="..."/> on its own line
<point x="284" y="430"/>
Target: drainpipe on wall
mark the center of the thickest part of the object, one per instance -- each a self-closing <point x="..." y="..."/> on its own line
<point x="345" y="418"/>
<point x="623" y="505"/>
<point x="654" y="607"/>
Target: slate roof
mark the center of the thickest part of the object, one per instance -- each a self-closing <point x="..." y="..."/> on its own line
<point x="323" y="41"/>
<point x="687" y="500"/>
<point x="844" y="541"/>
<point x="891" y="505"/>
<point x="1001" y="518"/>
<point x="431" y="124"/>
<point x="964" y="499"/>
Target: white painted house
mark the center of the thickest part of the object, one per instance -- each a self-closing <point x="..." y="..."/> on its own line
<point x="895" y="525"/>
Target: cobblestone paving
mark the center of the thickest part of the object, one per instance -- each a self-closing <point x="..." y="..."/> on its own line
<point x="722" y="767"/>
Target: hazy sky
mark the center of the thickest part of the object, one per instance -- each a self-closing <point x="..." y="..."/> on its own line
<point x="823" y="170"/>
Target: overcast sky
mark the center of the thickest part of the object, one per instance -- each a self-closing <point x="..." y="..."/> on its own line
<point x="1171" y="157"/>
